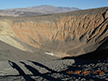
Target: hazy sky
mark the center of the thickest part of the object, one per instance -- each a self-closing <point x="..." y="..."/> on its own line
<point x="82" y="4"/>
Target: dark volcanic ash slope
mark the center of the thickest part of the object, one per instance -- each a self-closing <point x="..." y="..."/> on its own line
<point x="8" y="52"/>
<point x="56" y="70"/>
<point x="64" y="34"/>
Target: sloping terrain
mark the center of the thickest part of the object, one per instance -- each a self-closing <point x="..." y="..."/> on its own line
<point x="8" y="52"/>
<point x="57" y="70"/>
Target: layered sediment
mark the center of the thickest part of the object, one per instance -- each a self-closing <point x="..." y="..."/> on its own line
<point x="63" y="34"/>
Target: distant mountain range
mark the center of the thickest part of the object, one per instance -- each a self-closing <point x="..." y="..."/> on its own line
<point x="36" y="10"/>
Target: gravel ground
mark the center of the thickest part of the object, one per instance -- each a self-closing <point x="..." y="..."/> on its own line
<point x="55" y="70"/>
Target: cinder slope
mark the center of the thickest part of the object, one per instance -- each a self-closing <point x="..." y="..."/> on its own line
<point x="8" y="52"/>
<point x="56" y="70"/>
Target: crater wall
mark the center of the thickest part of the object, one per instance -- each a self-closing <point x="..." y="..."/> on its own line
<point x="63" y="34"/>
